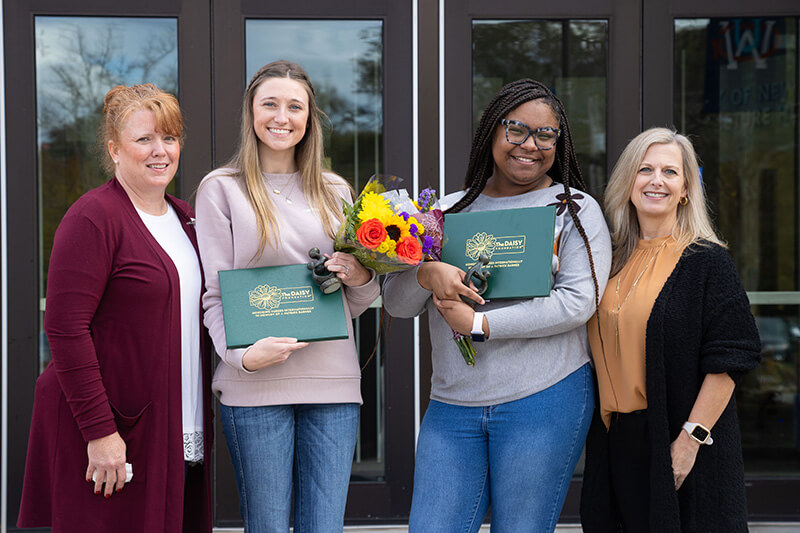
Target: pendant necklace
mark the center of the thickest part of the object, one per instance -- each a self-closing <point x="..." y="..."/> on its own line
<point x="277" y="191"/>
<point x="617" y="311"/>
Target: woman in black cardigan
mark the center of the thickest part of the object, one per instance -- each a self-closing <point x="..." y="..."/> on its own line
<point x="672" y="336"/>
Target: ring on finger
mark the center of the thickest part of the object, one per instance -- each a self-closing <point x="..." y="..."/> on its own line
<point x="346" y="270"/>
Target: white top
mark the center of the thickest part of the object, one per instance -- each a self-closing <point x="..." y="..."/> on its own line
<point x="167" y="230"/>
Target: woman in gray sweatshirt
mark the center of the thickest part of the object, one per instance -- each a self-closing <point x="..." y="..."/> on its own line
<point x="509" y="431"/>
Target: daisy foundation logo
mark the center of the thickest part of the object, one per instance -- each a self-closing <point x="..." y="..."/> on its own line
<point x="488" y="244"/>
<point x="268" y="297"/>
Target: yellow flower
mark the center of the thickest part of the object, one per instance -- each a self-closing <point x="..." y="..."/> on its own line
<point x="387" y="247"/>
<point x="375" y="206"/>
<point x="400" y="223"/>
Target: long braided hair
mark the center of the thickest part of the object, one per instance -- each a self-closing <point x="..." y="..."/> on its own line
<point x="565" y="168"/>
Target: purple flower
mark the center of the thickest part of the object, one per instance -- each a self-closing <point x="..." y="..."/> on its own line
<point x="404" y="215"/>
<point x="426" y="198"/>
<point x="427" y="244"/>
<point x="413" y="229"/>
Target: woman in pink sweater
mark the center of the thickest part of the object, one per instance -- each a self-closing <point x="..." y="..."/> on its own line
<point x="289" y="409"/>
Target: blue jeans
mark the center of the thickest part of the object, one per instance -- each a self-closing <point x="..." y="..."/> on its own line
<point x="517" y="456"/>
<point x="312" y="444"/>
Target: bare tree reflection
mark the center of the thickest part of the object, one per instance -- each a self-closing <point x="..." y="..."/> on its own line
<point x="76" y="65"/>
<point x="354" y="138"/>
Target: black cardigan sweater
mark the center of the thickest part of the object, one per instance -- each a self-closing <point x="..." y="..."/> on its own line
<point x="700" y="324"/>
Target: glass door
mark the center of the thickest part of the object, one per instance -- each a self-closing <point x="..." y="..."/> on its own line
<point x="584" y="52"/>
<point x="733" y="88"/>
<point x="63" y="59"/>
<point x="78" y="59"/>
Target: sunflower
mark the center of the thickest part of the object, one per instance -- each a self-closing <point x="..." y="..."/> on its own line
<point x="397" y="227"/>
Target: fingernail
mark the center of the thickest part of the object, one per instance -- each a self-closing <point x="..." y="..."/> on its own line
<point x="108" y="496"/>
<point x="119" y="490"/>
<point x="97" y="493"/>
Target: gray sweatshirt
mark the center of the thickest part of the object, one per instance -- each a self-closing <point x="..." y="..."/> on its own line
<point x="534" y="343"/>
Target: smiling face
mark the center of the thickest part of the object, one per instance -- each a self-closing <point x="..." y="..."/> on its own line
<point x="146" y="158"/>
<point x="521" y="168"/>
<point x="657" y="188"/>
<point x="280" y="116"/>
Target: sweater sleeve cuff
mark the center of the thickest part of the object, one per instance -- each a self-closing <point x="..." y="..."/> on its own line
<point x="367" y="289"/>
<point x="234" y="357"/>
<point x="372" y="277"/>
<point x="99" y="430"/>
<point x="403" y="296"/>
<point x="414" y="291"/>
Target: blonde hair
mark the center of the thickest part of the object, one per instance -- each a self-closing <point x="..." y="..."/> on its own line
<point x="320" y="196"/>
<point x="693" y="224"/>
<point x="121" y="101"/>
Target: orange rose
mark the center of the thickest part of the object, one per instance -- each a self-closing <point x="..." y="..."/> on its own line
<point x="409" y="250"/>
<point x="371" y="233"/>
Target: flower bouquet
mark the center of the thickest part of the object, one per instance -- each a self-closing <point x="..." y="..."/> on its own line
<point x="385" y="230"/>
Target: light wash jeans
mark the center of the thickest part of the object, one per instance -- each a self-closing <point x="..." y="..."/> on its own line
<point x="517" y="456"/>
<point x="270" y="446"/>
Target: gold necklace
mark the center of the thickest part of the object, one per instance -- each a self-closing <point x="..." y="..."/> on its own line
<point x="618" y="310"/>
<point x="277" y="191"/>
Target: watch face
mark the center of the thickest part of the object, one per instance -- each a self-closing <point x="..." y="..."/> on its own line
<point x="699" y="433"/>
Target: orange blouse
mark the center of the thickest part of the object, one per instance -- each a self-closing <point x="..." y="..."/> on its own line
<point x="618" y="345"/>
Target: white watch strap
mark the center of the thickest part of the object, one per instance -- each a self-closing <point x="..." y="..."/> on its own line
<point x="689" y="427"/>
<point x="477" y="323"/>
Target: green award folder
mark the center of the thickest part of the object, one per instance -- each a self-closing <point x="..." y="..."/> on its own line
<point x="519" y="243"/>
<point x="278" y="301"/>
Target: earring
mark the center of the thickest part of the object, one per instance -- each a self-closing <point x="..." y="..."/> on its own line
<point x="116" y="162"/>
<point x="684" y="200"/>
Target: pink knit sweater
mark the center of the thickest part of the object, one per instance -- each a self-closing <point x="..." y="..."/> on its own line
<point x="324" y="372"/>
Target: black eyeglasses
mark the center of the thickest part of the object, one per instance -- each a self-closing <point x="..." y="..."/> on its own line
<point x="518" y="132"/>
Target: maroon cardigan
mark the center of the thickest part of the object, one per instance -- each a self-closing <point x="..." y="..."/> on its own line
<point x="114" y="327"/>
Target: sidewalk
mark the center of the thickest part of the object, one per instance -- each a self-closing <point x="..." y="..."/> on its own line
<point x="755" y="527"/>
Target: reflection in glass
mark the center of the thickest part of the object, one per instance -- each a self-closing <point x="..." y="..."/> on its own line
<point x="768" y="398"/>
<point x="569" y="56"/>
<point x="736" y="95"/>
<point x="735" y="87"/>
<point x="344" y="59"/>
<point x="78" y="59"/>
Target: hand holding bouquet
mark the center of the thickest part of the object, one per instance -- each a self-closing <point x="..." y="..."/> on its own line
<point x="387" y="231"/>
<point x="382" y="229"/>
<point x="430" y="213"/>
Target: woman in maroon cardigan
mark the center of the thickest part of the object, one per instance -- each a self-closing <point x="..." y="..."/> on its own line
<point x="127" y="382"/>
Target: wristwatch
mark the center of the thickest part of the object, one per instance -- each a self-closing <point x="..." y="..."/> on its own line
<point x="477" y="328"/>
<point x="698" y="432"/>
